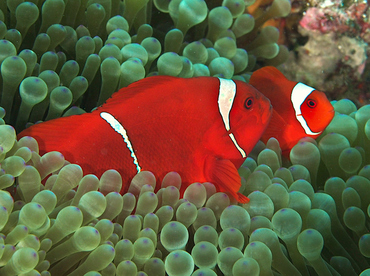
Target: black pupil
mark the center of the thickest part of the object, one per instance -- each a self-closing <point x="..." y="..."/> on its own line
<point x="311" y="103"/>
<point x="248" y="103"/>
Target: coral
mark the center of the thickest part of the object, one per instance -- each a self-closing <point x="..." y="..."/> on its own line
<point x="86" y="51"/>
<point x="330" y="48"/>
<point x="306" y="216"/>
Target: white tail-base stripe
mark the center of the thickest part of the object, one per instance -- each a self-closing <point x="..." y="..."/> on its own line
<point x="113" y="122"/>
<point x="225" y="102"/>
<point x="299" y="94"/>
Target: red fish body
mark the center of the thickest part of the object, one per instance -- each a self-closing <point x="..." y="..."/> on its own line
<point x="298" y="110"/>
<point x="203" y="128"/>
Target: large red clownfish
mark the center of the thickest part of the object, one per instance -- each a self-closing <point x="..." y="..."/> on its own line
<point x="298" y="109"/>
<point x="203" y="128"/>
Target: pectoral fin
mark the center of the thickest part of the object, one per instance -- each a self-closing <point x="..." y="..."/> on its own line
<point x="224" y="175"/>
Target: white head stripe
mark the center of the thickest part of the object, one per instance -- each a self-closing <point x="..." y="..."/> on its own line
<point x="113" y="122"/>
<point x="226" y="97"/>
<point x="299" y="93"/>
<point x="225" y="102"/>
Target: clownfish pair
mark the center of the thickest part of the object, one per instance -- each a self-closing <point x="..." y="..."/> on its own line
<point x="203" y="128"/>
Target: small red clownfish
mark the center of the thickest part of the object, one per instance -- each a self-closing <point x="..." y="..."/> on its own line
<point x="298" y="109"/>
<point x="203" y="128"/>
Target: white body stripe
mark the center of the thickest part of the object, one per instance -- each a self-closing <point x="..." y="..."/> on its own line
<point x="242" y="152"/>
<point x="299" y="93"/>
<point x="225" y="102"/>
<point x="113" y="122"/>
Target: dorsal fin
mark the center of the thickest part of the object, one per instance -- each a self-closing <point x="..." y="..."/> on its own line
<point x="266" y="72"/>
<point x="141" y="86"/>
<point x="274" y="85"/>
<point x="59" y="134"/>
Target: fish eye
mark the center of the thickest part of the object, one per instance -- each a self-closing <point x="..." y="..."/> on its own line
<point x="311" y="103"/>
<point x="248" y="103"/>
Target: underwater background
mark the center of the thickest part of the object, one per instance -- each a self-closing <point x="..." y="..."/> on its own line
<point x="307" y="216"/>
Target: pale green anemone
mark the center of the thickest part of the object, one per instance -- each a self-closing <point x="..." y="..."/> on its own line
<point x="83" y="51"/>
<point x="309" y="216"/>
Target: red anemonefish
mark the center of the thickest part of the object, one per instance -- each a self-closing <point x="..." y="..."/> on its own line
<point x="203" y="128"/>
<point x="298" y="109"/>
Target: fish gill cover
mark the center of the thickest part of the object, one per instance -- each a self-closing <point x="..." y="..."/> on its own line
<point x="306" y="216"/>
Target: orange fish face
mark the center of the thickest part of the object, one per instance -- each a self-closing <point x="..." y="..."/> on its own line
<point x="250" y="115"/>
<point x="317" y="111"/>
<point x="299" y="110"/>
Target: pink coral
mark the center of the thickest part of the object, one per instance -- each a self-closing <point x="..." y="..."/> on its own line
<point x="324" y="20"/>
<point x="337" y="19"/>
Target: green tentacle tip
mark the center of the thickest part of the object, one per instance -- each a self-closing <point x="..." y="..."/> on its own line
<point x="246" y="266"/>
<point x="68" y="220"/>
<point x="68" y="72"/>
<point x="365" y="272"/>
<point x="57" y="34"/>
<point x="205" y="255"/>
<point x="215" y="25"/>
<point x="144" y="249"/>
<point x="117" y="22"/>
<point x="60" y="98"/>
<point x="226" y="47"/>
<point x="86" y="238"/>
<point x="190" y="13"/>
<point x="32" y="215"/>
<point x="6" y="49"/>
<point x="33" y="90"/>
<point x="186" y="213"/>
<point x="257" y="181"/>
<point x="364" y="245"/>
<point x="206" y="233"/>
<point x="236" y="7"/>
<point x="350" y="160"/>
<point x="179" y="263"/>
<point x="354" y="218"/>
<point x="221" y="67"/>
<point x="46" y="199"/>
<point x="287" y="223"/>
<point x="95" y="15"/>
<point x="13" y="165"/>
<point x="231" y="237"/>
<point x="243" y="24"/>
<point x="131" y="70"/>
<point x="7" y="137"/>
<point x="2" y="112"/>
<point x="196" y="52"/>
<point x="52" y="12"/>
<point x="174" y="236"/>
<point x="169" y="64"/>
<point x="22" y="261"/>
<point x="310" y="244"/>
<point x="92" y="204"/>
<point x="196" y="194"/>
<point x="227" y="258"/>
<point x="13" y="69"/>
<point x="204" y="272"/>
<point x="154" y="266"/>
